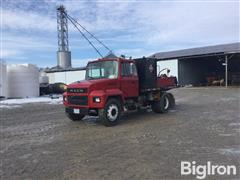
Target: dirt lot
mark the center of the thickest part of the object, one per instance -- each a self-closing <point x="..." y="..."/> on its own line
<point x="39" y="142"/>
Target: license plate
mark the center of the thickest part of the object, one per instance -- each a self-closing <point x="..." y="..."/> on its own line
<point x="76" y="111"/>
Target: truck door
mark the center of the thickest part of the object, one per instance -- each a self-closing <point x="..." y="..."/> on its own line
<point x="129" y="79"/>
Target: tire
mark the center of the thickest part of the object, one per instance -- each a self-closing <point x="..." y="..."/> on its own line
<point x="111" y="113"/>
<point x="171" y="100"/>
<point x="75" y="117"/>
<point x="163" y="105"/>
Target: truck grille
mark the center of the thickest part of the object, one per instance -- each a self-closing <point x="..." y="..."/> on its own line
<point x="77" y="90"/>
<point x="78" y="100"/>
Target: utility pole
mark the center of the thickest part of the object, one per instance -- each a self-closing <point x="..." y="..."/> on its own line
<point x="226" y="71"/>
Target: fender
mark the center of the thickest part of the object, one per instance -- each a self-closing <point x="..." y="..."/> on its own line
<point x="97" y="93"/>
<point x="115" y="92"/>
<point x="104" y="95"/>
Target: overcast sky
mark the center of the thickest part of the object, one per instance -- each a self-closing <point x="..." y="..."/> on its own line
<point x="133" y="28"/>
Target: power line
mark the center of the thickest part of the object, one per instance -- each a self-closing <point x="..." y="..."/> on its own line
<point x="89" y="33"/>
<point x="71" y="20"/>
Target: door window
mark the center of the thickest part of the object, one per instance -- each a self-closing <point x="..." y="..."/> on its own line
<point x="133" y="69"/>
<point x="128" y="69"/>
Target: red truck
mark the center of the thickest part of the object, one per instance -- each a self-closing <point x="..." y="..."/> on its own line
<point x="114" y="85"/>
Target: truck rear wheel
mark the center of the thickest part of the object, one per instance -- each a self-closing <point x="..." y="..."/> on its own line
<point x="161" y="106"/>
<point x="75" y="117"/>
<point x="111" y="113"/>
<point x="171" y="100"/>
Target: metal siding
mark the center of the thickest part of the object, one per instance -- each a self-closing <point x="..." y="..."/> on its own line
<point x="66" y="77"/>
<point x="170" y="64"/>
<point x="73" y="76"/>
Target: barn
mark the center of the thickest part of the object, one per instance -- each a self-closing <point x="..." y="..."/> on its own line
<point x="66" y="76"/>
<point x="219" y="64"/>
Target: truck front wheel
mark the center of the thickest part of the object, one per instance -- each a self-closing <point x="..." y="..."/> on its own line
<point x="75" y="117"/>
<point x="111" y="113"/>
<point x="161" y="106"/>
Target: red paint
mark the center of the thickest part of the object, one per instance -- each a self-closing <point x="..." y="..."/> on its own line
<point x="167" y="82"/>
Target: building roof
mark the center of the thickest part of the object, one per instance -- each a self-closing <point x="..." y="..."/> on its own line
<point x="200" y="51"/>
<point x="55" y="69"/>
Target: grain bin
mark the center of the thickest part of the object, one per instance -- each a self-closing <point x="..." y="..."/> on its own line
<point x="23" y="81"/>
<point x="64" y="59"/>
<point x="3" y="79"/>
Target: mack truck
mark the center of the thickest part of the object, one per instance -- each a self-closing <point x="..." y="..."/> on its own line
<point x="115" y="85"/>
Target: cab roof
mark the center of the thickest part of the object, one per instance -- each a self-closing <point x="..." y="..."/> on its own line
<point x="111" y="59"/>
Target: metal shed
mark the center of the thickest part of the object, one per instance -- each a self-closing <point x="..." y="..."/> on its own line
<point x="65" y="76"/>
<point x="197" y="65"/>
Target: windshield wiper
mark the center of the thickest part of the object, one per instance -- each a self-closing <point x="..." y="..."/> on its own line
<point x="89" y="78"/>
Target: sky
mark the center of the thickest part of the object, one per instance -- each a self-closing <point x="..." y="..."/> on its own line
<point x="132" y="28"/>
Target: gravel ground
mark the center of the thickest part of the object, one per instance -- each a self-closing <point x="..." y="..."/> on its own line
<point x="39" y="142"/>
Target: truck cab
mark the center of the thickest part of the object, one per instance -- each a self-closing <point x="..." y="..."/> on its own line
<point x="111" y="86"/>
<point x="105" y="79"/>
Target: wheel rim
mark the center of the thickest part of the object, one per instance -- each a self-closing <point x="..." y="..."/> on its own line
<point x="166" y="102"/>
<point x="112" y="112"/>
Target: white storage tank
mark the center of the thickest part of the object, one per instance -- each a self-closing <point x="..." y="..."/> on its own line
<point x="3" y="79"/>
<point x="23" y="81"/>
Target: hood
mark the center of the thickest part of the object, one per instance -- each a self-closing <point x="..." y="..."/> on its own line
<point x="80" y="84"/>
<point x="98" y="84"/>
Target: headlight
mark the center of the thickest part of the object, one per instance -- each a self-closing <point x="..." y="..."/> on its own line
<point x="64" y="98"/>
<point x="96" y="99"/>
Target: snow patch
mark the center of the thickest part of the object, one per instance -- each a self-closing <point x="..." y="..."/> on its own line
<point x="9" y="106"/>
<point x="230" y="150"/>
<point x="227" y="99"/>
<point x="14" y="103"/>
<point x="226" y="135"/>
<point x="234" y="124"/>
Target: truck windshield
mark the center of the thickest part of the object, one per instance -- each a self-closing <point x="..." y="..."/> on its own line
<point x="102" y="69"/>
